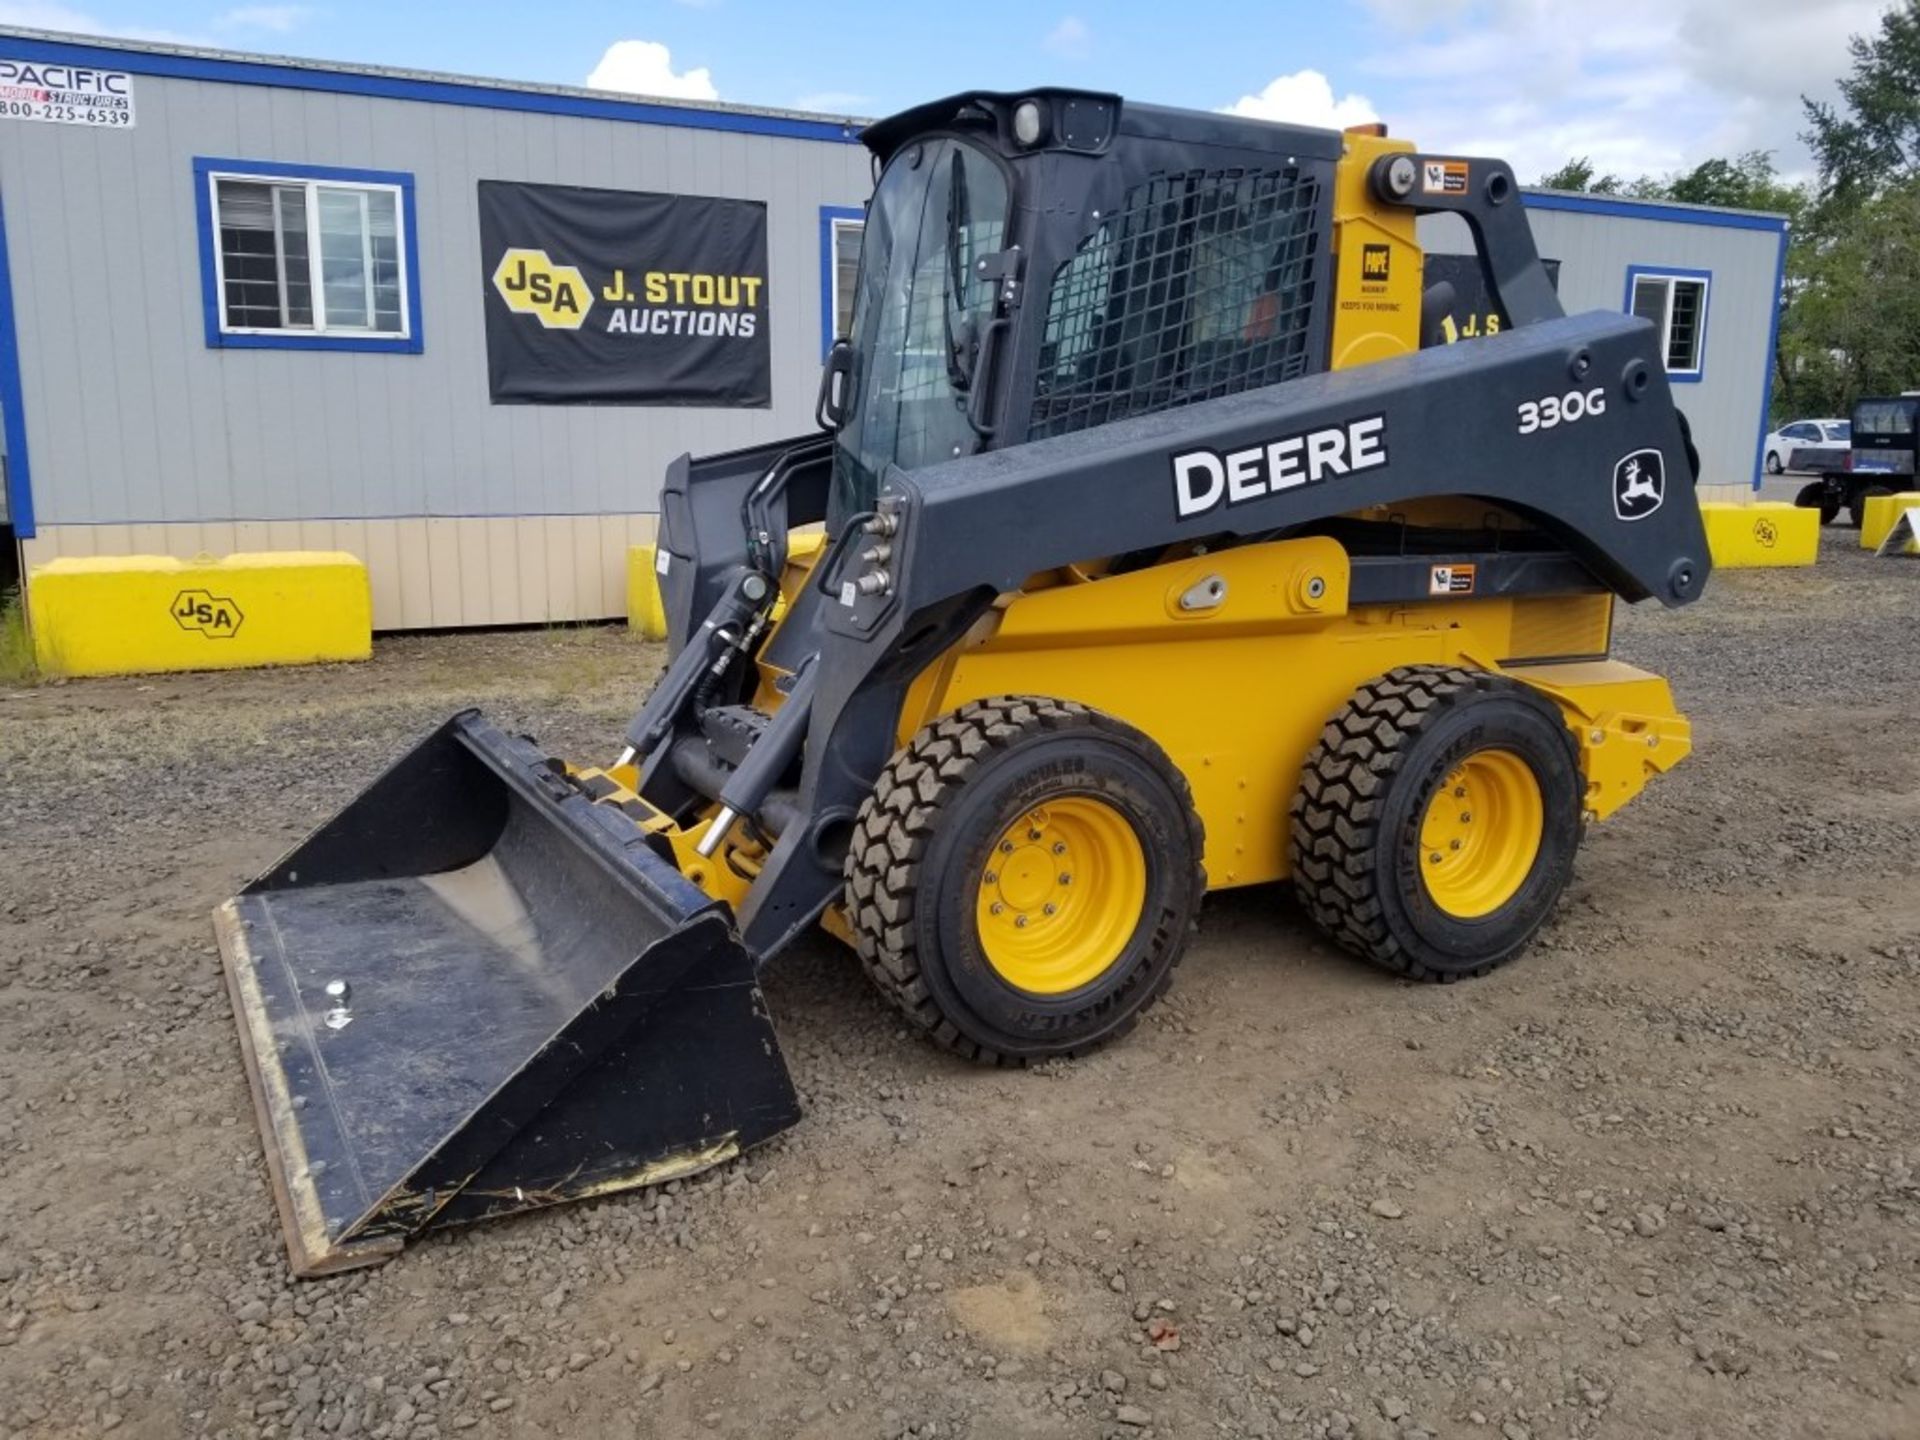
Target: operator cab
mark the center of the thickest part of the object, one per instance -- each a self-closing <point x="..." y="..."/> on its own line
<point x="1187" y="263"/>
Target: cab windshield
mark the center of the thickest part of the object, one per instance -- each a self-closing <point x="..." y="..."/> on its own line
<point x="918" y="314"/>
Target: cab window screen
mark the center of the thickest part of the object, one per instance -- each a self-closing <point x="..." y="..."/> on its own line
<point x="1202" y="284"/>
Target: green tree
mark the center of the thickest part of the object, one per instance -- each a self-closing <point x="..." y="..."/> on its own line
<point x="1876" y="142"/>
<point x="1854" y="325"/>
<point x="1577" y="174"/>
<point x="1746" y="182"/>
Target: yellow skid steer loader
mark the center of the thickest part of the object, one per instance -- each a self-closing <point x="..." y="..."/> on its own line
<point x="1141" y="552"/>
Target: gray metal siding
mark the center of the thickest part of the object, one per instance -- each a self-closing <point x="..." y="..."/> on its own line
<point x="1595" y="252"/>
<point x="133" y="418"/>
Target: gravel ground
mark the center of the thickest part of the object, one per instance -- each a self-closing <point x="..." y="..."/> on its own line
<point x="1657" y="1178"/>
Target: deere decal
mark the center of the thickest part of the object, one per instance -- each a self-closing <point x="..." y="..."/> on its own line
<point x="614" y="297"/>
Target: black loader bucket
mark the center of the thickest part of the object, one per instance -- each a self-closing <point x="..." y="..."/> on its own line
<point x="475" y="991"/>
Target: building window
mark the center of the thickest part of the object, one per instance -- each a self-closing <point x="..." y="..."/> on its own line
<point x="307" y="258"/>
<point x="1676" y="302"/>
<point x="841" y="230"/>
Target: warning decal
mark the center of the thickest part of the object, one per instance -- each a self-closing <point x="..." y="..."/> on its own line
<point x="1444" y="177"/>
<point x="1451" y="580"/>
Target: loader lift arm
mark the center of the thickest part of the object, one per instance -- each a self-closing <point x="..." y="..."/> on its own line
<point x="1446" y="425"/>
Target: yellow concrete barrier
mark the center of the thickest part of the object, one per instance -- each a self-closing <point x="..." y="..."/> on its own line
<point x="1881" y="513"/>
<point x="129" y="614"/>
<point x="1765" y="533"/>
<point x="645" y="610"/>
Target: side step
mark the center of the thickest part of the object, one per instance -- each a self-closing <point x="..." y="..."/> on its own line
<point x="475" y="992"/>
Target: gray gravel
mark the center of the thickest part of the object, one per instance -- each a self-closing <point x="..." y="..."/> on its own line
<point x="1659" y="1178"/>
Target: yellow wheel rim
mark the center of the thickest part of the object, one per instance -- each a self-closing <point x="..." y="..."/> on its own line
<point x="1061" y="895"/>
<point x="1481" y="834"/>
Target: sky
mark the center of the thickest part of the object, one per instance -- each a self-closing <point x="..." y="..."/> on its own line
<point x="1639" y="86"/>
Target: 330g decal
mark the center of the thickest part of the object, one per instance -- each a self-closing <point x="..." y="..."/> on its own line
<point x="1551" y="410"/>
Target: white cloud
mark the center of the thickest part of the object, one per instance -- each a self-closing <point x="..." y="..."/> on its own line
<point x="1305" y="98"/>
<point x="277" y="18"/>
<point x="1071" y="39"/>
<point x="834" y="102"/>
<point x="1640" y="86"/>
<point x="644" y="67"/>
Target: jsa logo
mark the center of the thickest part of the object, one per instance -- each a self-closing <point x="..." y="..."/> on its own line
<point x="214" y="616"/>
<point x="531" y="284"/>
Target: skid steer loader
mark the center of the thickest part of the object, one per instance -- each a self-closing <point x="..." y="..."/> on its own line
<point x="1140" y="552"/>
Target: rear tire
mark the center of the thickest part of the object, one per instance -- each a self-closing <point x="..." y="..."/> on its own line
<point x="969" y="833"/>
<point x="1819" y="496"/>
<point x="1774" y="467"/>
<point x="1857" y="505"/>
<point x="1385" y="851"/>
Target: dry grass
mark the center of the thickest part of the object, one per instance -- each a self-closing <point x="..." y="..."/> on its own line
<point x="17" y="665"/>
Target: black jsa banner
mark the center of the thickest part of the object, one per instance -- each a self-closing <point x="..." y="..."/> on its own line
<point x="612" y="297"/>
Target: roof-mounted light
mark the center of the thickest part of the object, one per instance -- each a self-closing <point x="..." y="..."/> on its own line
<point x="1029" y="124"/>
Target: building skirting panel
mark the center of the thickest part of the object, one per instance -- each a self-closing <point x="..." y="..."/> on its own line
<point x="426" y="573"/>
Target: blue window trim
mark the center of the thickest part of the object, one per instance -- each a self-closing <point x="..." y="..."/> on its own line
<point x="19" y="473"/>
<point x="829" y="214"/>
<point x="243" y="71"/>
<point x="205" y="166"/>
<point x="1653" y="210"/>
<point x="1676" y="272"/>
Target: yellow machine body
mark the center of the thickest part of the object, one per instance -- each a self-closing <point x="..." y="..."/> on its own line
<point x="1237" y="692"/>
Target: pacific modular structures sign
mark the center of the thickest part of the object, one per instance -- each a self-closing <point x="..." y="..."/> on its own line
<point x="65" y="94"/>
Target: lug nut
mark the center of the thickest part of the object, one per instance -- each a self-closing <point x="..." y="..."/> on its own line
<point x="1019" y="922"/>
<point x="1033" y="834"/>
<point x="995" y="908"/>
<point x="991" y="878"/>
<point x="1434" y="858"/>
<point x="1006" y="847"/>
<point x="1050" y="908"/>
<point x="1466" y="817"/>
<point x="1065" y="879"/>
<point x="1454" y="845"/>
<point x="1059" y="847"/>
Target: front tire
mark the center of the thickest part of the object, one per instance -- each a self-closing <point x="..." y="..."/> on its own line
<point x="1819" y="496"/>
<point x="1023" y="879"/>
<point x="1436" y="821"/>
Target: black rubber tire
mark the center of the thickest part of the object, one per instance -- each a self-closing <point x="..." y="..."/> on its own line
<point x="1857" y="503"/>
<point x="1356" y="818"/>
<point x="1774" y="467"/>
<point x="922" y="840"/>
<point x="1818" y="496"/>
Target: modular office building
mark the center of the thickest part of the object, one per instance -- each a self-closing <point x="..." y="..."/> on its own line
<point x="458" y="328"/>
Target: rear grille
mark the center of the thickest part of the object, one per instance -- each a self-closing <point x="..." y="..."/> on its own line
<point x="1561" y="628"/>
